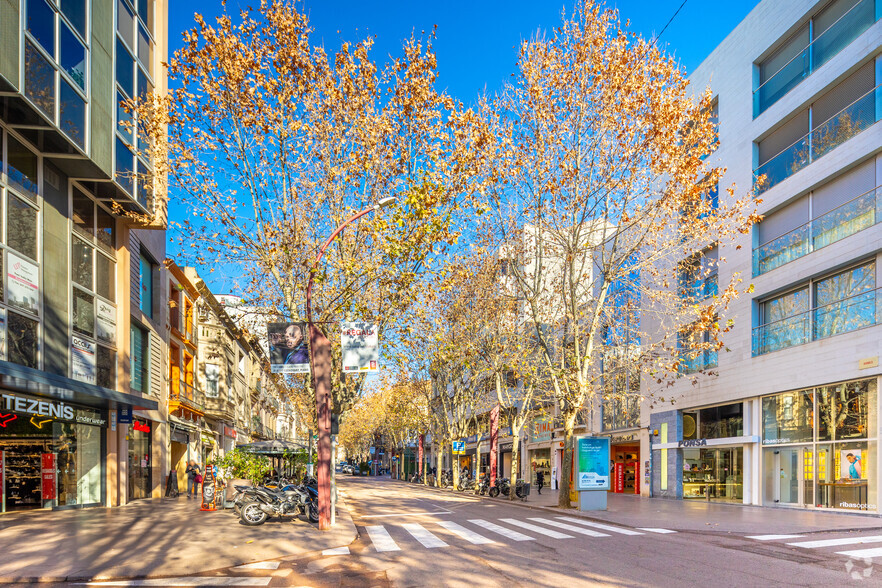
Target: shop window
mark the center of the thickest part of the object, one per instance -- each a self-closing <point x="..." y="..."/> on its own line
<point x="21" y="222"/>
<point x="844" y="411"/>
<point x="788" y="418"/>
<point x="721" y="421"/>
<point x="106" y="367"/>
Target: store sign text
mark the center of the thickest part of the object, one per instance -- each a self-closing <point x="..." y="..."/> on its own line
<point x="693" y="443"/>
<point x="37" y="407"/>
<point x="141" y="427"/>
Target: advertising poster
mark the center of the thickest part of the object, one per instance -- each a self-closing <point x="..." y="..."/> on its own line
<point x="49" y="489"/>
<point x="22" y="283"/>
<point x="360" y="343"/>
<point x="592" y="459"/>
<point x="288" y="347"/>
<point x="851" y="464"/>
<point x="82" y="365"/>
<point x="106" y="323"/>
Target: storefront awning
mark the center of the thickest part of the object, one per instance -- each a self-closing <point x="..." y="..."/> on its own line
<point x="30" y="381"/>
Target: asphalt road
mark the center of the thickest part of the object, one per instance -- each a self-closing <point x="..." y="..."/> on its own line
<point x="412" y="536"/>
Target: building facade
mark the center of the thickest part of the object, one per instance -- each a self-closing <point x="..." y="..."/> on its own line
<point x="82" y="313"/>
<point x="791" y="416"/>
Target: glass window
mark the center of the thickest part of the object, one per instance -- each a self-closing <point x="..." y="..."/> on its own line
<point x="140" y="363"/>
<point x="72" y="114"/>
<point x="212" y="379"/>
<point x="21" y="220"/>
<point x="145" y="278"/>
<point x="845" y="285"/>
<point x="41" y="24"/>
<point x="39" y="80"/>
<point x="83" y="313"/>
<point x="145" y="49"/>
<point x="125" y="23"/>
<point x="105" y="362"/>
<point x="81" y="263"/>
<point x="83" y="210"/>
<point x="145" y="11"/>
<point x="846" y="301"/>
<point x="22" y="340"/>
<point x="125" y="69"/>
<point x="847" y="411"/>
<point x="788" y="418"/>
<point x="106" y="228"/>
<point x="125" y="167"/>
<point x="22" y="167"/>
<point x="75" y="11"/>
<point x="73" y="56"/>
<point x="105" y="276"/>
<point x="124" y="124"/>
<point x="144" y="87"/>
<point x="721" y="421"/>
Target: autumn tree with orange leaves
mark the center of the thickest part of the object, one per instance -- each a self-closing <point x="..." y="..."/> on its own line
<point x="271" y="142"/>
<point x="601" y="176"/>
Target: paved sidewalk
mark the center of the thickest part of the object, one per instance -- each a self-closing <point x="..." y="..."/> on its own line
<point x="150" y="538"/>
<point x="697" y="515"/>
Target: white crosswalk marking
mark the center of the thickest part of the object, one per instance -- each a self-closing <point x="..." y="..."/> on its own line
<point x="381" y="539"/>
<point x="836" y="542"/>
<point x="466" y="534"/>
<point x="423" y="536"/>
<point x="336" y="551"/>
<point x="654" y="530"/>
<point x="619" y="530"/>
<point x="187" y="581"/>
<point x="259" y="565"/>
<point x="862" y="553"/>
<point x="772" y="537"/>
<point x="536" y="529"/>
<point x="513" y="535"/>
<point x="572" y="528"/>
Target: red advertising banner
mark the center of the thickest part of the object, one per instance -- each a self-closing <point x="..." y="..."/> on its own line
<point x="636" y="465"/>
<point x="50" y="487"/>
<point x="494" y="443"/>
<point x="619" y="486"/>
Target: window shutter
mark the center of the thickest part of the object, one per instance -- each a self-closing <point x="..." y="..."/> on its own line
<point x="844" y="94"/>
<point x="135" y="256"/>
<point x="784" y="137"/>
<point x="155" y="364"/>
<point x="784" y="220"/>
<point x="791" y="48"/>
<point x="858" y="181"/>
<point x="137" y="363"/>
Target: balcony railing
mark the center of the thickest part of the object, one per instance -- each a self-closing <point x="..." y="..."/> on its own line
<point x="186" y="395"/>
<point x="852" y="217"/>
<point x="840" y="34"/>
<point x="843" y="316"/>
<point x="842" y="126"/>
<point x="702" y="361"/>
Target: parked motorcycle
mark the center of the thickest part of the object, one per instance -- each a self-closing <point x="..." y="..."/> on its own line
<point x="483" y="485"/>
<point x="259" y="503"/>
<point x="416" y="479"/>
<point x="446" y="479"/>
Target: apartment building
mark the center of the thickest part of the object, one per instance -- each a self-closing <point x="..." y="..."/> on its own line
<point x="82" y="313"/>
<point x="791" y="416"/>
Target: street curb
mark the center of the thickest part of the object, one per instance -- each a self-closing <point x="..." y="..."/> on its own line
<point x="347" y="536"/>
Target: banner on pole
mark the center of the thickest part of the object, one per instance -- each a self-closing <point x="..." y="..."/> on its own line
<point x="288" y="347"/>
<point x="360" y="343"/>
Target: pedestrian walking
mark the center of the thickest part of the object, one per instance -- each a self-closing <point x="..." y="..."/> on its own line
<point x="540" y="480"/>
<point x="193" y="472"/>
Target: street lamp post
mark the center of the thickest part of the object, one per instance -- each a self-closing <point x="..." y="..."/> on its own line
<point x="320" y="358"/>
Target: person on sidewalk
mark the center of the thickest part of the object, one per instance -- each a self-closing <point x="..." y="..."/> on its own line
<point x="540" y="480"/>
<point x="193" y="472"/>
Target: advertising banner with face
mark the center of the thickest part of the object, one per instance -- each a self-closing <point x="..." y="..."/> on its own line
<point x="289" y="348"/>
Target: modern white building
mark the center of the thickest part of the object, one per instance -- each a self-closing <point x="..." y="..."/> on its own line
<point x="791" y="418"/>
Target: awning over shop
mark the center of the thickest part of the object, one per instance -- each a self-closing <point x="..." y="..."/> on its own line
<point x="30" y="381"/>
<point x="273" y="447"/>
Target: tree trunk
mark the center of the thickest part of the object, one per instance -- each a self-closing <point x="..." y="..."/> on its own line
<point x="439" y="464"/>
<point x="515" y="461"/>
<point x="563" y="496"/>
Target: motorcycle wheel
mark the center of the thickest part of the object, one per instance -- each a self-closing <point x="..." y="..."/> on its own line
<point x="313" y="512"/>
<point x="519" y="493"/>
<point x="483" y="490"/>
<point x="237" y="509"/>
<point x="252" y="515"/>
<point x="494" y="492"/>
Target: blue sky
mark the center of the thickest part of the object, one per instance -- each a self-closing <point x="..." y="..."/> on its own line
<point x="477" y="39"/>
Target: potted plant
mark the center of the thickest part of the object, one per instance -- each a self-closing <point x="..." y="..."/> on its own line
<point x="241" y="468"/>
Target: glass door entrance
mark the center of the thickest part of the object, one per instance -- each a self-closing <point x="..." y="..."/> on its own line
<point x="790" y="475"/>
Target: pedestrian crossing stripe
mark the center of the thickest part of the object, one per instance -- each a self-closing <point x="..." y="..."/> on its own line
<point x="836" y="542"/>
<point x="620" y="530"/>
<point x="572" y="528"/>
<point x="466" y="534"/>
<point x="187" y="581"/>
<point x="259" y="565"/>
<point x="537" y="529"/>
<point x="423" y="536"/>
<point x="513" y="535"/>
<point x="773" y="537"/>
<point x="654" y="530"/>
<point x="381" y="538"/>
<point x="336" y="551"/>
<point x="862" y="553"/>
